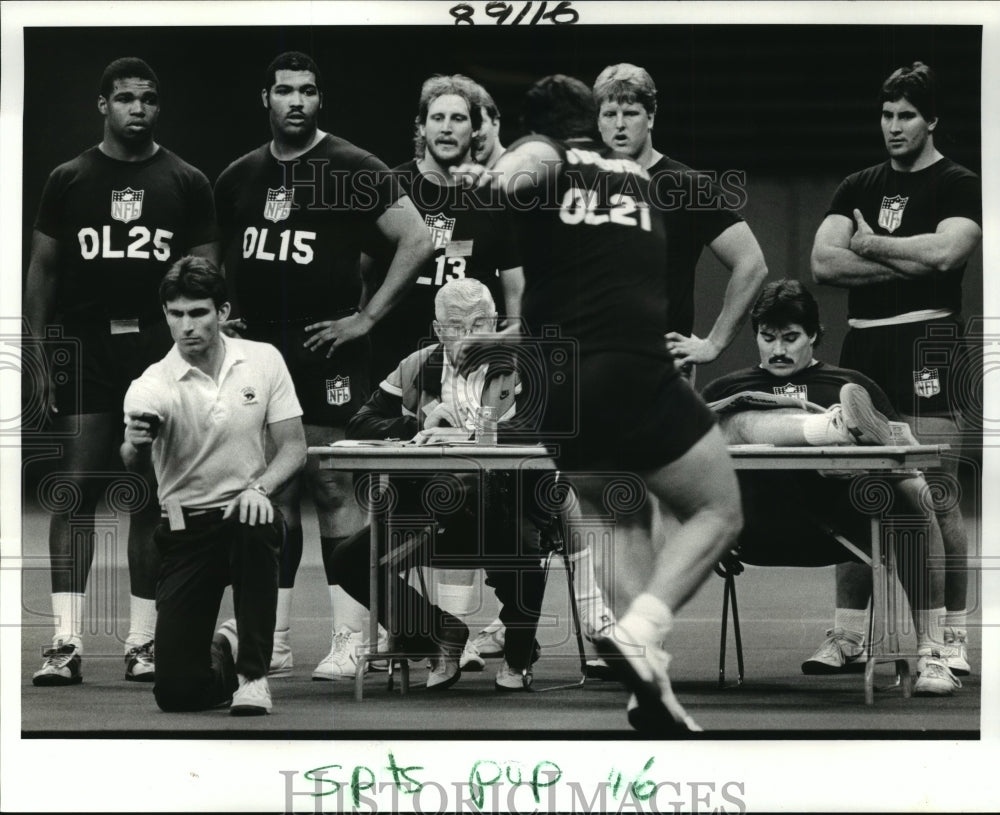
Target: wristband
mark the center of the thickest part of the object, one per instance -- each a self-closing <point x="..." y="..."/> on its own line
<point x="260" y="488"/>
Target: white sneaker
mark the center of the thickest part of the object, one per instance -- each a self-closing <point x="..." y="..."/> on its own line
<point x="841" y="652"/>
<point x="490" y="641"/>
<point x="864" y="423"/>
<point x="446" y="667"/>
<point x="252" y="697"/>
<point x="643" y="670"/>
<point x="281" y="655"/>
<point x="342" y="661"/>
<point x="935" y="678"/>
<point x="471" y="660"/>
<point x="380" y="665"/>
<point x="955" y="653"/>
<point x="508" y="679"/>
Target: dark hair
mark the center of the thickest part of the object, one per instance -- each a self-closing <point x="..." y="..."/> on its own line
<point x="625" y="83"/>
<point x="783" y="302"/>
<point x="917" y="85"/>
<point x="485" y="101"/>
<point x="291" y="61"/>
<point x="196" y="278"/>
<point x="560" y="107"/>
<point x="126" y="68"/>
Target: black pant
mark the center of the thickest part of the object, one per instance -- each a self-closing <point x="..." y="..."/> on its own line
<point x="196" y="566"/>
<point x="420" y="626"/>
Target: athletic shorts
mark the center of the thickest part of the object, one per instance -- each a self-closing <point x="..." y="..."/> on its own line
<point x="101" y="365"/>
<point x="632" y="413"/>
<point x="926" y="369"/>
<point x="330" y="391"/>
<point x="780" y="513"/>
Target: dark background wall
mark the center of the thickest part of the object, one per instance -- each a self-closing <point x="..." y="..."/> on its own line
<point x="795" y="107"/>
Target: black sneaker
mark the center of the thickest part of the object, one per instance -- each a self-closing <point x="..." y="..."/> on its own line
<point x="61" y="667"/>
<point x="139" y="663"/>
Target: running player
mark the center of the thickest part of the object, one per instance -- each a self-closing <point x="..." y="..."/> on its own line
<point x="898" y="236"/>
<point x="593" y="258"/>
<point x="293" y="213"/>
<point x="626" y="98"/>
<point x="111" y="223"/>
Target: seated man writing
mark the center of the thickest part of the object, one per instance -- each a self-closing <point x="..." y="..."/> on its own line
<point x="433" y="396"/>
<point x="781" y="507"/>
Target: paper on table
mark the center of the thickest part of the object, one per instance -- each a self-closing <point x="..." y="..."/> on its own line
<point x="369" y="443"/>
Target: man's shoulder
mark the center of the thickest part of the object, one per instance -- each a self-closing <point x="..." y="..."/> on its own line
<point x="86" y="161"/>
<point x="868" y="174"/>
<point x="256" y="350"/>
<point x="344" y="154"/>
<point x="173" y="162"/>
<point x="952" y="170"/>
<point x="247" y="163"/>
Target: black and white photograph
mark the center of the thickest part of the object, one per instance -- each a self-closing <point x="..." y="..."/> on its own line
<point x="488" y="406"/>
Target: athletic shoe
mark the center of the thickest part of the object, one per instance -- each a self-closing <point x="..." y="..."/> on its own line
<point x="342" y="661"/>
<point x="509" y="680"/>
<point x="935" y="679"/>
<point x="599" y="669"/>
<point x="865" y="424"/>
<point x="643" y="670"/>
<point x="223" y="659"/>
<point x="489" y="642"/>
<point x="954" y="653"/>
<point x="61" y="666"/>
<point x="281" y="655"/>
<point x="841" y="652"/>
<point x="471" y="660"/>
<point x="139" y="663"/>
<point x="445" y="666"/>
<point x="252" y="697"/>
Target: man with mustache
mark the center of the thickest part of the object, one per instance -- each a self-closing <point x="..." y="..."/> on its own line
<point x="295" y="215"/>
<point x="110" y="224"/>
<point x="786" y="324"/>
<point x="898" y="236"/>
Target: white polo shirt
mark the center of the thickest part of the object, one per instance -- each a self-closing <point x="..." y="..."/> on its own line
<point x="210" y="446"/>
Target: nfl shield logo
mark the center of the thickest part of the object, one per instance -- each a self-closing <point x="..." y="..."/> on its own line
<point x="926" y="382"/>
<point x="126" y="204"/>
<point x="794" y="391"/>
<point x="441" y="229"/>
<point x="278" y="204"/>
<point x="890" y="216"/>
<point x="338" y="390"/>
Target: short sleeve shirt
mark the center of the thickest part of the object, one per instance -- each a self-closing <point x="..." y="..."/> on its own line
<point x="120" y="226"/>
<point x="900" y="205"/>
<point x="210" y="446"/>
<point x="293" y="230"/>
<point x="697" y="210"/>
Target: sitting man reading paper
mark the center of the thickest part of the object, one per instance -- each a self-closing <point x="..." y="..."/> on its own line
<point x="793" y="399"/>
<point x="433" y="396"/>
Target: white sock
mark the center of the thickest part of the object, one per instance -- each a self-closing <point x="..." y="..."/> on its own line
<point x="283" y="613"/>
<point x="67" y="607"/>
<point x="648" y="618"/>
<point x="594" y="612"/>
<point x="457" y="600"/>
<point x="346" y="611"/>
<point x="819" y="430"/>
<point x="853" y="620"/>
<point x="142" y="621"/>
<point x="930" y="632"/>
<point x="956" y="619"/>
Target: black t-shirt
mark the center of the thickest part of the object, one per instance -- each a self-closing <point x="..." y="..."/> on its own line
<point x="592" y="247"/>
<point x="901" y="205"/>
<point x="120" y="226"/>
<point x="696" y="213"/>
<point x="472" y="237"/>
<point x="293" y="230"/>
<point x="819" y="383"/>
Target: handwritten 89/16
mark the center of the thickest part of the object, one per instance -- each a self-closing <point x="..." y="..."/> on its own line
<point x="562" y="14"/>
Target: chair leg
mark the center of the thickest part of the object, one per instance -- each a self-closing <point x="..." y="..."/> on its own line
<point x="729" y="593"/>
<point x="722" y="636"/>
<point x="736" y="630"/>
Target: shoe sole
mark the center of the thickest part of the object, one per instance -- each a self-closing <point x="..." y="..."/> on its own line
<point x="942" y="691"/>
<point x="601" y="672"/>
<point x="50" y="681"/>
<point x="279" y="673"/>
<point x="822" y="669"/>
<point x="446" y="684"/>
<point x="474" y="667"/>
<point x="248" y="710"/>
<point x="332" y="677"/>
<point x="146" y="677"/>
<point x="651" y="716"/>
<point x="864" y="422"/>
<point x="522" y="688"/>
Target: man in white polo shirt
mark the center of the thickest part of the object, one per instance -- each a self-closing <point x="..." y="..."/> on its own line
<point x="199" y="415"/>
